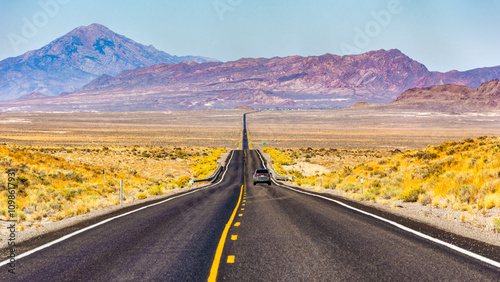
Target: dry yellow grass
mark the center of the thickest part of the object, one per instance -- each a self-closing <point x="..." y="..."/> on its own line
<point x="60" y="181"/>
<point x="464" y="175"/>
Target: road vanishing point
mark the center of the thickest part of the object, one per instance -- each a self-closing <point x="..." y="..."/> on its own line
<point x="233" y="230"/>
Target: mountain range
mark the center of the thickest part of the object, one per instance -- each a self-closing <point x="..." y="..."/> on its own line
<point x="73" y="60"/>
<point x="326" y="81"/>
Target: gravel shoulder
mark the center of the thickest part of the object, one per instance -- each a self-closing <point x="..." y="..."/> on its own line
<point x="34" y="230"/>
<point x="477" y="226"/>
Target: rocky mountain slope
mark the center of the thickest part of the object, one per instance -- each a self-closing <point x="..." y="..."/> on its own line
<point x="453" y="97"/>
<point x="73" y="60"/>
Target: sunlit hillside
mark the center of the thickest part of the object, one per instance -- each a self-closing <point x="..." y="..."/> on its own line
<point x="57" y="182"/>
<point x="462" y="175"/>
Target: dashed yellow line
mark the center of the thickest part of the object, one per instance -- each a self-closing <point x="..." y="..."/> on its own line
<point x="220" y="247"/>
<point x="237" y="224"/>
<point x="234" y="237"/>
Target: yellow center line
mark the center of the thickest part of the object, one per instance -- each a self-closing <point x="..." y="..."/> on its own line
<point x="220" y="247"/>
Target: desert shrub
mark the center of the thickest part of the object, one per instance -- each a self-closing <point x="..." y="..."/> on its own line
<point x="330" y="185"/>
<point x="20" y="216"/>
<point x="155" y="190"/>
<point x="68" y="193"/>
<point x="492" y="200"/>
<point x="74" y="176"/>
<point x="141" y="196"/>
<point x="23" y="180"/>
<point x="465" y="193"/>
<point x="412" y="194"/>
<point x="182" y="181"/>
<point x="425" y="199"/>
<point x="423" y="155"/>
<point x="81" y="208"/>
<point x="496" y="224"/>
<point x="350" y="187"/>
<point x="375" y="184"/>
<point x="367" y="197"/>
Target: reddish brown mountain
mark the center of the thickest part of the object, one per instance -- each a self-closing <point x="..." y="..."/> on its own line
<point x="327" y="81"/>
<point x="453" y="97"/>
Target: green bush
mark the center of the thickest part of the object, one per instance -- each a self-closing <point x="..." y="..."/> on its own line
<point x="391" y="192"/>
<point x="496" y="223"/>
<point x="412" y="194"/>
<point x="155" y="190"/>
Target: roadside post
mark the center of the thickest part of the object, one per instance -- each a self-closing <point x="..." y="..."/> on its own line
<point x="361" y="185"/>
<point x="121" y="192"/>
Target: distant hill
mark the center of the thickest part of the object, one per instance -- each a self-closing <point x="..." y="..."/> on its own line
<point x="244" y="108"/>
<point x="31" y="96"/>
<point x="452" y="97"/>
<point x="73" y="60"/>
<point x="361" y="105"/>
<point x="295" y="82"/>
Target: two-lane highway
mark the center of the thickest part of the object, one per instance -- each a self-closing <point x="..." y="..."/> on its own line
<point x="285" y="235"/>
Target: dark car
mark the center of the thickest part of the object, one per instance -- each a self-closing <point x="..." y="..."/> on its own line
<point x="262" y="175"/>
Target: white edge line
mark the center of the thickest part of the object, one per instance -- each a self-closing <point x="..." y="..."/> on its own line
<point x="437" y="241"/>
<point x="25" y="254"/>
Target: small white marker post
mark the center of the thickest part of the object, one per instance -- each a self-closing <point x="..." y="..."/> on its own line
<point x="361" y="185"/>
<point x="121" y="192"/>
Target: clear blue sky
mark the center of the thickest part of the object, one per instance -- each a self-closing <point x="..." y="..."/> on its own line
<point x="442" y="34"/>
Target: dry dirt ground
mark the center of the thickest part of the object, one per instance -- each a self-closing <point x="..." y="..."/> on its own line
<point x="201" y="129"/>
<point x="366" y="128"/>
<point x="341" y="129"/>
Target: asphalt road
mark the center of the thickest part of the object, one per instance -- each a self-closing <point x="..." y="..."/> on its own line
<point x="285" y="235"/>
<point x="244" y="137"/>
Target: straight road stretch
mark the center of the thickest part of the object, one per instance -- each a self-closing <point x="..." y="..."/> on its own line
<point x="233" y="230"/>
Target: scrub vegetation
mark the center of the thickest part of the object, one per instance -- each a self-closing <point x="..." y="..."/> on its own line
<point x="463" y="175"/>
<point x="59" y="181"/>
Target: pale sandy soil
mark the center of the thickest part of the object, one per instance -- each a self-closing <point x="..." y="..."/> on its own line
<point x="366" y="128"/>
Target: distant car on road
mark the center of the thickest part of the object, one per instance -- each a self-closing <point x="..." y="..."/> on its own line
<point x="262" y="175"/>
